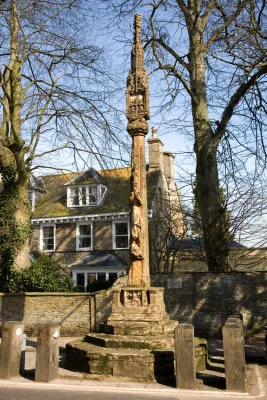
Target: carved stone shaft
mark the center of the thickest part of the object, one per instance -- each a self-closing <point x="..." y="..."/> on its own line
<point x="137" y="112"/>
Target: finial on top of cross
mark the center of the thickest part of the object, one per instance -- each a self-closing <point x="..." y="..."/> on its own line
<point x="137" y="21"/>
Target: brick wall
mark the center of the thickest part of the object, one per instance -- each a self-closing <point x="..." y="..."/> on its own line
<point x="203" y="299"/>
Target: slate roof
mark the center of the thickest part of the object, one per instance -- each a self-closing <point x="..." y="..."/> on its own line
<point x="100" y="260"/>
<point x="54" y="202"/>
<point x="196" y="244"/>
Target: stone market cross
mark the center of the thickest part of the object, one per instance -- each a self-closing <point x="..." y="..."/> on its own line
<point x="137" y="112"/>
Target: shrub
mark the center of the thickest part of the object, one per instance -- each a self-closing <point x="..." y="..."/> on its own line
<point x="44" y="275"/>
<point x="95" y="285"/>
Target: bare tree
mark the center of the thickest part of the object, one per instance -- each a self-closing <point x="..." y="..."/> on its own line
<point x="53" y="93"/>
<point x="213" y="55"/>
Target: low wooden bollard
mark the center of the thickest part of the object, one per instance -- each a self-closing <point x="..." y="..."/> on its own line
<point x="12" y="335"/>
<point x="234" y="355"/>
<point x="47" y="353"/>
<point x="185" y="356"/>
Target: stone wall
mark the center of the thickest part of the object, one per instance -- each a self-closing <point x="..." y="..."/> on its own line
<point x="203" y="299"/>
<point x="77" y="313"/>
<point x="206" y="300"/>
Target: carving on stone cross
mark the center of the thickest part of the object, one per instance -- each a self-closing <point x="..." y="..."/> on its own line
<point x="136" y="218"/>
<point x="137" y="92"/>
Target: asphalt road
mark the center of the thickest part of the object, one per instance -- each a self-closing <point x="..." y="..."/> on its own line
<point x="35" y="392"/>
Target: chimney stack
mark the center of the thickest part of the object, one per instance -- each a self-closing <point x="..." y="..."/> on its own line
<point x="168" y="159"/>
<point x="155" y="152"/>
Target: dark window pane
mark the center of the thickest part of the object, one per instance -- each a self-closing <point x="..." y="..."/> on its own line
<point x="84" y="242"/>
<point x="112" y="276"/>
<point x="91" y="278"/>
<point x="83" y="200"/>
<point x="122" y="242"/>
<point x="74" y="200"/>
<point x="85" y="230"/>
<point x="92" y="195"/>
<point x="80" y="280"/>
<point x="101" y="277"/>
<point x="121" y="228"/>
<point x="83" y="195"/>
<point x="74" y="196"/>
<point x="92" y="199"/>
<point x="74" y="191"/>
<point x="48" y="244"/>
<point x="48" y="231"/>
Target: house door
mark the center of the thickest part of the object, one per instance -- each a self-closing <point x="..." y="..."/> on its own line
<point x="80" y="280"/>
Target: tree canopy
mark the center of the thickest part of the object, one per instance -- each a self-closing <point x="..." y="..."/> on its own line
<point x="212" y="59"/>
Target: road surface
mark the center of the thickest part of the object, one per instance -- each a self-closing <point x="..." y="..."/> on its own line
<point x="35" y="391"/>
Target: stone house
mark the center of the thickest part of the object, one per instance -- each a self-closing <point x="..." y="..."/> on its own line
<point x="82" y="220"/>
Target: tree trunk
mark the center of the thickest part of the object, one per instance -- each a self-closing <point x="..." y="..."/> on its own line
<point x="14" y="200"/>
<point x="207" y="181"/>
<point x="15" y="216"/>
<point x="22" y="218"/>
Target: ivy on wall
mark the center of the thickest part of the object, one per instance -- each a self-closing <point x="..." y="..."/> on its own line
<point x="12" y="236"/>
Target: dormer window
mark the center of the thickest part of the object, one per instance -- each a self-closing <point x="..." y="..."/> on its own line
<point x="89" y="195"/>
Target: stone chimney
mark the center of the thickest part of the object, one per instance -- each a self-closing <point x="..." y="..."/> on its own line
<point x="168" y="159"/>
<point x="155" y="152"/>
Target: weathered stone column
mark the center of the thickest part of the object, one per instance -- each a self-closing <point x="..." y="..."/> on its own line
<point x="12" y="335"/>
<point x="47" y="353"/>
<point x="234" y="355"/>
<point x="137" y="112"/>
<point x="185" y="356"/>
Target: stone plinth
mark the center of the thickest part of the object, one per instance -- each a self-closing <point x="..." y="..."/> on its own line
<point x="136" y="342"/>
<point x="137" y="312"/>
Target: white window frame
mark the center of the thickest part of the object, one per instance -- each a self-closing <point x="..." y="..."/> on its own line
<point x="78" y="235"/>
<point x="96" y="272"/>
<point x="42" y="236"/>
<point x="114" y="234"/>
<point x="99" y="198"/>
<point x="32" y="192"/>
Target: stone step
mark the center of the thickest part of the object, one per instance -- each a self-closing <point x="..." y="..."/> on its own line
<point x="130" y="342"/>
<point x="142" y="364"/>
<point x="141" y="328"/>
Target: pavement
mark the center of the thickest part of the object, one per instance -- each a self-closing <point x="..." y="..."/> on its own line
<point x="209" y="383"/>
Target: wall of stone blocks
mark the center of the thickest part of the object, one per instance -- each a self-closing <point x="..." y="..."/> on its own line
<point x="75" y="312"/>
<point x="206" y="300"/>
<point x="203" y="299"/>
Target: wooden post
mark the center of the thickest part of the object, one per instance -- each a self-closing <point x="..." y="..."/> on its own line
<point x="234" y="355"/>
<point x="12" y="335"/>
<point x="47" y="353"/>
<point x="185" y="356"/>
